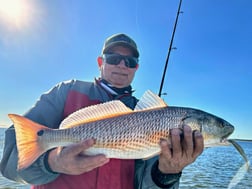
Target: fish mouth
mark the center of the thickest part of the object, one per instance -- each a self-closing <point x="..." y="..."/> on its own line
<point x="224" y="138"/>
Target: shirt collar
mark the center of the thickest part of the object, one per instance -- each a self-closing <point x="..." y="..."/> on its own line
<point x="115" y="91"/>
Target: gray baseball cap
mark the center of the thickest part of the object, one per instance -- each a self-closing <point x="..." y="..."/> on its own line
<point x="120" y="40"/>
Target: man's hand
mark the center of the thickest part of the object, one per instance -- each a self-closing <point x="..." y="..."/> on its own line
<point x="70" y="160"/>
<point x="180" y="151"/>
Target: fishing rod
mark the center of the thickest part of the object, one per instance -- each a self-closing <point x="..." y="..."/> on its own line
<point x="169" y="51"/>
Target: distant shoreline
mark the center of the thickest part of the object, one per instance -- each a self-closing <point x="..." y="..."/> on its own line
<point x="244" y="140"/>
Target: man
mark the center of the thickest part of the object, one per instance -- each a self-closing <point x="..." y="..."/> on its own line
<point x="67" y="167"/>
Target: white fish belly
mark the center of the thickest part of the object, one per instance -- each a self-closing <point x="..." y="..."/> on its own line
<point x="143" y="153"/>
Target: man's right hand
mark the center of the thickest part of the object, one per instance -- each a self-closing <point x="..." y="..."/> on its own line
<point x="71" y="160"/>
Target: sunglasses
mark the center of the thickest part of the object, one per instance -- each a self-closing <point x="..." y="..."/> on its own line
<point x="115" y="59"/>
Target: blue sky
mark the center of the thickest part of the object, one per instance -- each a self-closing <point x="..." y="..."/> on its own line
<point x="59" y="40"/>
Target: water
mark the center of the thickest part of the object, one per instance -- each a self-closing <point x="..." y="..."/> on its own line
<point x="214" y="169"/>
<point x="5" y="183"/>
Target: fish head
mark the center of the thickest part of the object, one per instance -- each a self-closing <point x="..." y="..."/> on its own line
<point x="215" y="130"/>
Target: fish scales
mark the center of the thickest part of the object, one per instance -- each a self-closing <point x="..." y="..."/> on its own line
<point x="119" y="132"/>
<point x="130" y="136"/>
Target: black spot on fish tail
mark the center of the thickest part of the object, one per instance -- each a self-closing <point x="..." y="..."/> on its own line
<point x="40" y="133"/>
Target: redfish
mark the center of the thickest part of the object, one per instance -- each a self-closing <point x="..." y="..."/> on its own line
<point x="119" y="132"/>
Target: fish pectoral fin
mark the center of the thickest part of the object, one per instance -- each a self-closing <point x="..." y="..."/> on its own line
<point x="95" y="112"/>
<point x="149" y="101"/>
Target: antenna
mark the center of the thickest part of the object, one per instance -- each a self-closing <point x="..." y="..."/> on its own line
<point x="169" y="51"/>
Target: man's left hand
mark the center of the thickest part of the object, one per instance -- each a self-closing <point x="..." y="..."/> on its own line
<point x="180" y="151"/>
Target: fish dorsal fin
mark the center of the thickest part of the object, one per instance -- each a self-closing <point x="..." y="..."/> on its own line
<point x="148" y="101"/>
<point x="95" y="112"/>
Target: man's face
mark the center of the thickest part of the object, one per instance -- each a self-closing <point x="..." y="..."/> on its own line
<point x="118" y="75"/>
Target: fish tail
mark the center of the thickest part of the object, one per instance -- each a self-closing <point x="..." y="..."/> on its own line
<point x="27" y="138"/>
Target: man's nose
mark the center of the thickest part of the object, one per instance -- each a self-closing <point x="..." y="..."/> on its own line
<point x="122" y="63"/>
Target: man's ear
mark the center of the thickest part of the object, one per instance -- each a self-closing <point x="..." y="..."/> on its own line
<point x="137" y="66"/>
<point x="99" y="60"/>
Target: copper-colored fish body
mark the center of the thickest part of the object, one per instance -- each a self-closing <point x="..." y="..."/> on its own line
<point x="119" y="131"/>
